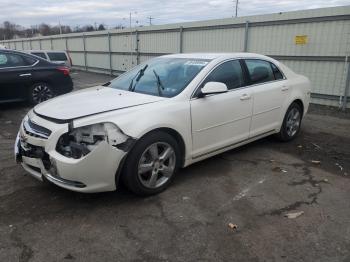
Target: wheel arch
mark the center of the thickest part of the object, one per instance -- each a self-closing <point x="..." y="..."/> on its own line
<point x="300" y="103"/>
<point x="175" y="134"/>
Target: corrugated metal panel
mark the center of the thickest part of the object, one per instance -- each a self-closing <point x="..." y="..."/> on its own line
<point x="77" y="58"/>
<point x="326" y="77"/>
<point x="96" y="43"/>
<point x="75" y="44"/>
<point x="144" y="58"/>
<point x="16" y="46"/>
<point x="36" y="45"/>
<point x="26" y="45"/>
<point x="325" y="39"/>
<point x="122" y="62"/>
<point x="46" y="44"/>
<point x="59" y="44"/>
<point x="219" y="40"/>
<point x="167" y="42"/>
<point x="98" y="60"/>
<point x="122" y="43"/>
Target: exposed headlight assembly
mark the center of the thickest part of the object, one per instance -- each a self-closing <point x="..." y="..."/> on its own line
<point x="82" y="140"/>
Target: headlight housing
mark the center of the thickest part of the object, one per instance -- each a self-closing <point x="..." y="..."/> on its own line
<point x="82" y="140"/>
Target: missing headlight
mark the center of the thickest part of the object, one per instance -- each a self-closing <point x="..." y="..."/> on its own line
<point x="82" y="140"/>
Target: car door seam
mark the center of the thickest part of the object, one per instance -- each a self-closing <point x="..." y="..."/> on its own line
<point x="223" y="123"/>
<point x="268" y="110"/>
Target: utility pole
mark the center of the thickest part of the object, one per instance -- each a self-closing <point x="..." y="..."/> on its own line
<point x="131" y="45"/>
<point x="236" y="7"/>
<point x="150" y="19"/>
<point x="130" y="21"/>
<point x="59" y="23"/>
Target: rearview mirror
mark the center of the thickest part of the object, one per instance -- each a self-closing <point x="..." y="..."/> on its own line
<point x="213" y="88"/>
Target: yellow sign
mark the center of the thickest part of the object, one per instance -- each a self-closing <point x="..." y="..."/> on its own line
<point x="300" y="39"/>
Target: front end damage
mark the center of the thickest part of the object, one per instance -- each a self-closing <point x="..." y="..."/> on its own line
<point x="83" y="159"/>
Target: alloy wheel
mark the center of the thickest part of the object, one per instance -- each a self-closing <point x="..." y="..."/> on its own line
<point x="156" y="165"/>
<point x="293" y="122"/>
<point x="41" y="93"/>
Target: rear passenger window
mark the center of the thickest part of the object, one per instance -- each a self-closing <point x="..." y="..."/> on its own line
<point x="259" y="71"/>
<point x="3" y="60"/>
<point x="276" y="72"/>
<point x="229" y="73"/>
<point x="57" y="56"/>
<point x="40" y="54"/>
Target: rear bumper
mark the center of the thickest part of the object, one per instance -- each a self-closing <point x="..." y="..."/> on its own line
<point x="64" y="87"/>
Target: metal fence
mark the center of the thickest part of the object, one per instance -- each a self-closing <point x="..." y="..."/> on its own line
<point x="315" y="43"/>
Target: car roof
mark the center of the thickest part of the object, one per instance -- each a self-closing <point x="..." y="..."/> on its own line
<point x="212" y="56"/>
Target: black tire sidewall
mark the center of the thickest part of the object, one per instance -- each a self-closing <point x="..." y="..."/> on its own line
<point x="30" y="95"/>
<point x="130" y="169"/>
<point x="283" y="135"/>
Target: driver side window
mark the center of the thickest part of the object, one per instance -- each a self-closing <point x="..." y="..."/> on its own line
<point x="229" y="73"/>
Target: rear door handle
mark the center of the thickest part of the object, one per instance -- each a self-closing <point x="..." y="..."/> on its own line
<point x="285" y="88"/>
<point x="245" y="97"/>
<point x="27" y="74"/>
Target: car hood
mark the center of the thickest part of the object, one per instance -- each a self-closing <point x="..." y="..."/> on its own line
<point x="91" y="101"/>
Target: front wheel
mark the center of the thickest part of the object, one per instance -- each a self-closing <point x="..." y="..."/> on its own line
<point x="152" y="163"/>
<point x="291" y="123"/>
<point x="40" y="92"/>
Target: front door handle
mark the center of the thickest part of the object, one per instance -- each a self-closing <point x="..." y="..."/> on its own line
<point x="284" y="88"/>
<point x="245" y="97"/>
<point x="27" y="74"/>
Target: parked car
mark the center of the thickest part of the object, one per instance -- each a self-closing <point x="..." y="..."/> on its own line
<point x="57" y="57"/>
<point x="27" y="77"/>
<point x="166" y="113"/>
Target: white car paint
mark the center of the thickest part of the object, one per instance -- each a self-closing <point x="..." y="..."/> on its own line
<point x="47" y="53"/>
<point x="207" y="126"/>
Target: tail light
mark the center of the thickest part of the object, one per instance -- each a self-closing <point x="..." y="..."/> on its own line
<point x="64" y="70"/>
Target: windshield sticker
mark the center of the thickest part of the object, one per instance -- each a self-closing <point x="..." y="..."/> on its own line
<point x="3" y="59"/>
<point x="197" y="63"/>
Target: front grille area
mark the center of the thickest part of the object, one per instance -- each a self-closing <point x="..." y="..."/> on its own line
<point x="33" y="151"/>
<point x="36" y="130"/>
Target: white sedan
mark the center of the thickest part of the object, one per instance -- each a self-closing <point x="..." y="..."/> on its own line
<point x="164" y="114"/>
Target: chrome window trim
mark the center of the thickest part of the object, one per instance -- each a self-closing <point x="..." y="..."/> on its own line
<point x="239" y="88"/>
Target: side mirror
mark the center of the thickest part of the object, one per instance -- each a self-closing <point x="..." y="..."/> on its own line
<point x="213" y="88"/>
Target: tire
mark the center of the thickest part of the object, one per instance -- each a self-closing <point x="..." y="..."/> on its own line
<point x="40" y="92"/>
<point x="148" y="171"/>
<point x="291" y="123"/>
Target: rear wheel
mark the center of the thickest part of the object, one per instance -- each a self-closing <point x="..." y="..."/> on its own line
<point x="291" y="123"/>
<point x="152" y="164"/>
<point x="40" y="92"/>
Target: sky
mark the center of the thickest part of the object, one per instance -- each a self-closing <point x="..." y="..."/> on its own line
<point x="116" y="12"/>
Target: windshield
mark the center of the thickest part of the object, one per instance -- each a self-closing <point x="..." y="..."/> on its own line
<point x="165" y="77"/>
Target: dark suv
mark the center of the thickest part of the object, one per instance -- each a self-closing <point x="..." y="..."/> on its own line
<point x="27" y="77"/>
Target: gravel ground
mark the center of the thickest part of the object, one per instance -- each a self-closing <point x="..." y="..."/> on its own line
<point x="253" y="187"/>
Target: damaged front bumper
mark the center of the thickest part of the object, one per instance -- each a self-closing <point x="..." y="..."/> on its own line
<point x="94" y="172"/>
